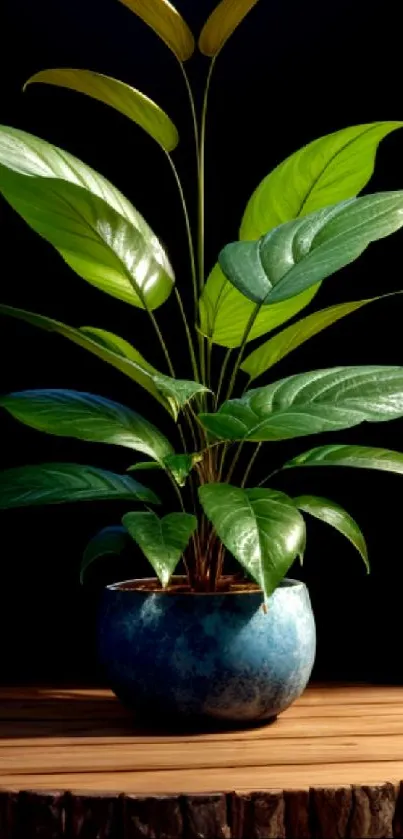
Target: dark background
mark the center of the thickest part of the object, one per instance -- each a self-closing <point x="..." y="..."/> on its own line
<point x="292" y="72"/>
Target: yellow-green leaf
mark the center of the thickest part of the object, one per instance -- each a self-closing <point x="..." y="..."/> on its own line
<point x="221" y="24"/>
<point x="166" y="21"/>
<point x="118" y="95"/>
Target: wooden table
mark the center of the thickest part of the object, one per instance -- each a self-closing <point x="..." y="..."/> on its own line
<point x="74" y="764"/>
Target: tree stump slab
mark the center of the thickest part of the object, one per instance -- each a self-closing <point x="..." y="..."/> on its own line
<point x="74" y="764"/>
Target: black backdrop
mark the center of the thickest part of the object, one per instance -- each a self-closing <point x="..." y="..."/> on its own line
<point x="292" y="72"/>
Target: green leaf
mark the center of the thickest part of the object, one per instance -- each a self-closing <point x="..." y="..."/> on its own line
<point x="100" y="245"/>
<point x="180" y="465"/>
<point x="329" y="170"/>
<point x="276" y="348"/>
<point x="358" y="457"/>
<point x="225" y="312"/>
<point x="55" y="483"/>
<point x="311" y="403"/>
<point x="163" y="541"/>
<point x="69" y="413"/>
<point x="110" y="541"/>
<point x="262" y="528"/>
<point x="337" y="517"/>
<point x="120" y="354"/>
<point x="118" y="95"/>
<point x="222" y="22"/>
<point x="296" y="255"/>
<point x="166" y="21"/>
<point x="145" y="466"/>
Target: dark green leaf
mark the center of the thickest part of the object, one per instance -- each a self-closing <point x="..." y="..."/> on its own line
<point x="168" y="24"/>
<point x="110" y="541"/>
<point x="69" y="413"/>
<point x="222" y="22"/>
<point x="163" y="541"/>
<point x="118" y="95"/>
<point x="333" y="514"/>
<point x="145" y="466"/>
<point x="361" y="457"/>
<point x="180" y="465"/>
<point x="310" y="403"/>
<point x="330" y="169"/>
<point x="262" y="528"/>
<point x="55" y="483"/>
<point x="299" y="254"/>
<point x="276" y="348"/>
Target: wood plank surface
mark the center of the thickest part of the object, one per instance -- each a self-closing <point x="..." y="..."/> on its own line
<point x="75" y="760"/>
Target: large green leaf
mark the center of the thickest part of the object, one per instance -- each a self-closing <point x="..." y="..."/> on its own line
<point x="100" y="245"/>
<point x="311" y="403"/>
<point x="136" y="264"/>
<point x="69" y="413"/>
<point x="330" y="169"/>
<point x="163" y="541"/>
<point x="110" y="541"/>
<point x="118" y="95"/>
<point x="262" y="528"/>
<point x="361" y="457"/>
<point x="166" y="21"/>
<point x="337" y="517"/>
<point x="55" y="483"/>
<point x="276" y="348"/>
<point x="171" y="393"/>
<point x="221" y="24"/>
<point x="225" y="312"/>
<point x="296" y="255"/>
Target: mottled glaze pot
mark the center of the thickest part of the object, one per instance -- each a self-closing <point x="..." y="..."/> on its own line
<point x="207" y="655"/>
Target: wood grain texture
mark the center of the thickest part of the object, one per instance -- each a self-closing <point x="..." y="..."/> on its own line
<point x="75" y="765"/>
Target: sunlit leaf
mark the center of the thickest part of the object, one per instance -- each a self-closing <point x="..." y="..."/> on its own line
<point x="129" y="101"/>
<point x="357" y="457"/>
<point x="331" y="513"/>
<point x="222" y="22"/>
<point x="311" y="403"/>
<point x="166" y="21"/>
<point x="162" y="541"/>
<point x="262" y="528"/>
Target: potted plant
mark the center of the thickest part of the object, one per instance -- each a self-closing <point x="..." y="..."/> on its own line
<point x="195" y="639"/>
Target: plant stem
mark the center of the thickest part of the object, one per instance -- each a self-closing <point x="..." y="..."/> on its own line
<point x="238" y="362"/>
<point x="188" y="230"/>
<point x="200" y="237"/>
<point x="176" y="488"/>
<point x="250" y="464"/>
<point x="193" y="109"/>
<point x="188" y="335"/>
<point x="222" y="375"/>
<point x="267" y="478"/>
<point x="234" y="462"/>
<point x="162" y="342"/>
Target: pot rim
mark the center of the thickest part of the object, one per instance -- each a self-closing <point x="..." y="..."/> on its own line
<point x="286" y="582"/>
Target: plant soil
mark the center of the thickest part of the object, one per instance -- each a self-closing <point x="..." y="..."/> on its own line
<point x="180" y="585"/>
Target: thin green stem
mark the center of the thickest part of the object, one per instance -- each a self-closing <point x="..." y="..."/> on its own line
<point x="188" y="335"/>
<point x="251" y="464"/>
<point x="177" y="490"/>
<point x="209" y="361"/>
<point x="267" y="478"/>
<point x="188" y="229"/>
<point x="201" y="225"/>
<point x="193" y="109"/>
<point x="222" y="375"/>
<point x="162" y="342"/>
<point x="234" y="461"/>
<point x="238" y="362"/>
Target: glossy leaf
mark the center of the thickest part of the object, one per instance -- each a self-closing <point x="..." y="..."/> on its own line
<point x="70" y="413"/>
<point x="326" y="171"/>
<point x="296" y="255"/>
<point x="100" y="245"/>
<point x="358" y="457"/>
<point x="262" y="528"/>
<point x="110" y="541"/>
<point x="28" y="155"/>
<point x="55" y="483"/>
<point x="276" y="348"/>
<point x="166" y="21"/>
<point x="331" y="169"/>
<point x="145" y="466"/>
<point x="222" y="22"/>
<point x="163" y="541"/>
<point x="225" y="312"/>
<point x="129" y="101"/>
<point x="311" y="403"/>
<point x="331" y="513"/>
<point x="179" y="465"/>
<point x="120" y="354"/>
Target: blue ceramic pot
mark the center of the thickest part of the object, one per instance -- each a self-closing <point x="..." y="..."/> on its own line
<point x="207" y="655"/>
